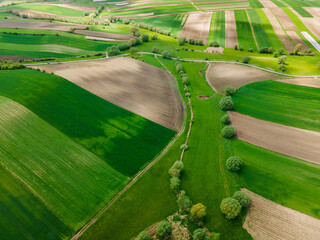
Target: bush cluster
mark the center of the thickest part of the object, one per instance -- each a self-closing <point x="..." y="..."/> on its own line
<point x="225" y="119"/>
<point x="246" y="59"/>
<point x="195" y="42"/>
<point x="8" y="65"/>
<point x="184" y="202"/>
<point x="231" y="206"/>
<point x="166" y="54"/>
<point x="150" y="28"/>
<point x="164" y="229"/>
<point x="214" y="44"/>
<point x="266" y="50"/>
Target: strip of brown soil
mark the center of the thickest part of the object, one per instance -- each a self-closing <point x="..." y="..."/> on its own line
<point x="268" y="4"/>
<point x="197" y="26"/>
<point x="136" y="86"/>
<point x="39" y="25"/>
<point x="291" y="141"/>
<point x="279" y="30"/>
<point x="123" y="37"/>
<point x="103" y="39"/>
<point x="308" y="82"/>
<point x="314" y="11"/>
<point x="284" y="19"/>
<point x="15" y="58"/>
<point x="231" y="29"/>
<point x="268" y="220"/>
<point x="222" y="75"/>
<point x="297" y="40"/>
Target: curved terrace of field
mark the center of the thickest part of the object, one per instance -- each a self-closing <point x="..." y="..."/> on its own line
<point x="136" y="86"/>
<point x="269" y="220"/>
<point x="221" y="75"/>
<point x="291" y="141"/>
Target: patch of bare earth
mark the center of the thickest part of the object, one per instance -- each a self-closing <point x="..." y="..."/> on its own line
<point x="222" y="75"/>
<point x="284" y="19"/>
<point x="141" y="88"/>
<point x="281" y="34"/>
<point x="114" y="36"/>
<point x="39" y="25"/>
<point x="297" y="40"/>
<point x="308" y="82"/>
<point x="267" y="220"/>
<point x="197" y="26"/>
<point x="291" y="141"/>
<point x="314" y="11"/>
<point x="268" y="4"/>
<point x="231" y="29"/>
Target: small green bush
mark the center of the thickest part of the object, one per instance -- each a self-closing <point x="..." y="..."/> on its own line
<point x="281" y="51"/>
<point x="184" y="147"/>
<point x="225" y="119"/>
<point x="234" y="164"/>
<point x="166" y="54"/>
<point x="181" y="41"/>
<point x="226" y="103"/>
<point x="246" y="59"/>
<point x="145" y="37"/>
<point x="242" y="198"/>
<point x="174" y="172"/>
<point x="228" y="131"/>
<point x="144" y="236"/>
<point x="164" y="229"/>
<point x="154" y="37"/>
<point x="229" y="91"/>
<point x="184" y="202"/>
<point x="175" y="184"/>
<point x="155" y="50"/>
<point x="230" y="207"/>
<point x="200" y="234"/>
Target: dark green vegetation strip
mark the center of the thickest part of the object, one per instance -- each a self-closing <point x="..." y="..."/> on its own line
<point x="256" y="4"/>
<point x="124" y="140"/>
<point x="284" y="103"/>
<point x="263" y="30"/>
<point x="23" y="215"/>
<point x="296" y="3"/>
<point x="285" y="180"/>
<point x="71" y="181"/>
<point x="244" y="31"/>
<point x="35" y="54"/>
<point x="302" y="12"/>
<point x="217" y="28"/>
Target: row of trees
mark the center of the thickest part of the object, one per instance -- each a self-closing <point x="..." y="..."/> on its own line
<point x="192" y="41"/>
<point x="147" y="27"/>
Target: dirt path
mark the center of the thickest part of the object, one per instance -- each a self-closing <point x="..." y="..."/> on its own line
<point x="267" y="220"/>
<point x="268" y="4"/>
<point x="231" y="30"/>
<point x="291" y="141"/>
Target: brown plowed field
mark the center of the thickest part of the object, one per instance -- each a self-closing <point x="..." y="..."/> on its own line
<point x="297" y="39"/>
<point x="291" y="141"/>
<point x="279" y="30"/>
<point x="267" y="220"/>
<point x="123" y="37"/>
<point x="231" y="29"/>
<point x="308" y="82"/>
<point x="131" y="84"/>
<point x="268" y="4"/>
<point x="197" y="26"/>
<point x="284" y="19"/>
<point x="39" y="25"/>
<point x="221" y="75"/>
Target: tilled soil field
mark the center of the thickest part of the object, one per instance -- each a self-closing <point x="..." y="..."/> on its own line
<point x="284" y="19"/>
<point x="146" y="90"/>
<point x="308" y="82"/>
<point x="267" y="220"/>
<point x="297" y="40"/>
<point x="231" y="29"/>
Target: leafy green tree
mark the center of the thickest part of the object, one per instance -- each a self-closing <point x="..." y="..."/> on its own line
<point x="134" y="30"/>
<point x="145" y="37"/>
<point x="230" y="207"/>
<point x="144" y="236"/>
<point x="242" y="198"/>
<point x="246" y="59"/>
<point x="234" y="164"/>
<point x="200" y="234"/>
<point x="229" y="91"/>
<point x="178" y="165"/>
<point x="155" y="36"/>
<point x="297" y="49"/>
<point x="226" y="103"/>
<point x="184" y="147"/>
<point x="225" y="119"/>
<point x="175" y="184"/>
<point x="281" y="51"/>
<point x="181" y="41"/>
<point x="184" y="202"/>
<point x="228" y="131"/>
<point x="164" y="229"/>
<point x="215" y="236"/>
<point x="166" y="54"/>
<point x="173" y="172"/>
<point x="197" y="213"/>
<point x="155" y="50"/>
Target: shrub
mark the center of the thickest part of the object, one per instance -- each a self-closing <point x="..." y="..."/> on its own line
<point x="270" y="50"/>
<point x="226" y="103"/>
<point x="246" y="59"/>
<point x="275" y="54"/>
<point x="230" y="207"/>
<point x="164" y="229"/>
<point x="215" y="236"/>
<point x="113" y="51"/>
<point x="214" y="44"/>
<point x="154" y="37"/>
<point x="179" y="67"/>
<point x="178" y="165"/>
<point x="281" y="51"/>
<point x="166" y="54"/>
<point x="264" y="50"/>
<point x="175" y="184"/>
<point x="134" y="30"/>
<point x="235" y="47"/>
<point x="126" y="21"/>
<point x="155" y="50"/>
<point x="234" y="164"/>
<point x="173" y="172"/>
<point x="185" y="80"/>
<point x="225" y="119"/>
<point x="133" y="50"/>
<point x="184" y="147"/>
<point x="181" y="41"/>
<point x="197" y="213"/>
<point x="184" y="202"/>
<point x="206" y="58"/>
<point x="144" y="236"/>
<point x="242" y="198"/>
<point x="229" y="91"/>
<point x="228" y="131"/>
<point x="145" y="37"/>
<point x="250" y="50"/>
<point x="200" y="234"/>
<point x="282" y="60"/>
<point x="241" y="48"/>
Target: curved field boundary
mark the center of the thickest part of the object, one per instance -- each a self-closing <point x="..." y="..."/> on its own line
<point x="267" y="220"/>
<point x="290" y="141"/>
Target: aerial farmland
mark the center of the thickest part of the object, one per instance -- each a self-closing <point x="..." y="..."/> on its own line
<point x="159" y="119"/>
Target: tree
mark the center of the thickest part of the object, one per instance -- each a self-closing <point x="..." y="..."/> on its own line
<point x="174" y="172"/>
<point x="113" y="51"/>
<point x="184" y="147"/>
<point x="154" y="37"/>
<point x="242" y="198"/>
<point x="175" y="184"/>
<point x="166" y="54"/>
<point x="197" y="213"/>
<point x="126" y="21"/>
<point x="145" y="37"/>
<point x="200" y="234"/>
<point x="270" y="50"/>
<point x="215" y="236"/>
<point x="297" y="49"/>
<point x="226" y="103"/>
<point x="246" y="59"/>
<point x="144" y="236"/>
<point x="282" y="62"/>
<point x="234" y="164"/>
<point x="178" y="165"/>
<point x="184" y="202"/>
<point x="164" y="229"/>
<point x="281" y="51"/>
<point x="229" y="91"/>
<point x="225" y="119"/>
<point x="228" y="131"/>
<point x="235" y="47"/>
<point x="181" y="41"/>
<point x="133" y="50"/>
<point x="155" y="50"/>
<point x="134" y="30"/>
<point x="230" y="207"/>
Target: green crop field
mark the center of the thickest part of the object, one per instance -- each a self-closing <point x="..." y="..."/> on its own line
<point x="302" y="12"/>
<point x="284" y="103"/>
<point x="217" y="28"/>
<point x="63" y="11"/>
<point x="244" y="31"/>
<point x="69" y="179"/>
<point x="296" y="3"/>
<point x="112" y="133"/>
